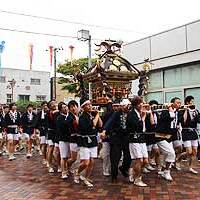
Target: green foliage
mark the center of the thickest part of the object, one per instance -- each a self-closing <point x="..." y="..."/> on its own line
<point x="21" y="105"/>
<point x="72" y="87"/>
<point x="69" y="70"/>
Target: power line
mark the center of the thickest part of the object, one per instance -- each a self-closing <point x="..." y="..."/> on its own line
<point x="40" y="33"/>
<point x="36" y="33"/>
<point x="69" y="22"/>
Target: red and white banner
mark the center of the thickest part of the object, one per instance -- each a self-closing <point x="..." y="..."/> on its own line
<point x="71" y="48"/>
<point x="51" y="55"/>
<point x="31" y="55"/>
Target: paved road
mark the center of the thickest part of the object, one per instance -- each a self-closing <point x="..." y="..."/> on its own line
<point x="28" y="179"/>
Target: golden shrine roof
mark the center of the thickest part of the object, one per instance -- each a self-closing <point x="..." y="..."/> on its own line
<point x="111" y="65"/>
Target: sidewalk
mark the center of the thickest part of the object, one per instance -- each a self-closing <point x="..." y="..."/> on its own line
<point x="23" y="179"/>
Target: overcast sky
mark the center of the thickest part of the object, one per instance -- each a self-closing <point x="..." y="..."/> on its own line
<point x="132" y="19"/>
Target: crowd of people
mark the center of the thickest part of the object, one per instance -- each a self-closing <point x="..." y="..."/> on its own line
<point x="145" y="137"/>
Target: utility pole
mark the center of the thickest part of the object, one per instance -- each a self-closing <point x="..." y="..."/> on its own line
<point x="90" y="52"/>
<point x="54" y="51"/>
<point x="84" y="35"/>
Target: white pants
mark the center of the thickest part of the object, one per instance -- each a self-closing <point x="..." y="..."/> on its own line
<point x="138" y="150"/>
<point x="43" y="140"/>
<point x="1" y="136"/>
<point x="11" y="136"/>
<point x="177" y="143"/>
<point x="26" y="136"/>
<point x="167" y="150"/>
<point x="151" y="147"/>
<point x="190" y="143"/>
<point x="106" y="157"/>
<point x="64" y="149"/>
<point x="50" y="142"/>
<point x="87" y="153"/>
<point x="74" y="147"/>
<point x="98" y="138"/>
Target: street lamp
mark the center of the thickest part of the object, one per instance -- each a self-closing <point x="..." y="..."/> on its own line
<point x="11" y="86"/>
<point x="84" y="35"/>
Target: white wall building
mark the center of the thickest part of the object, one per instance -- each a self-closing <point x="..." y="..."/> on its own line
<point x="175" y="55"/>
<point x="29" y="85"/>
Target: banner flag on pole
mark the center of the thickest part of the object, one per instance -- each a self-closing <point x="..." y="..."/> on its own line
<point x="31" y="55"/>
<point x="2" y="47"/>
<point x="51" y="55"/>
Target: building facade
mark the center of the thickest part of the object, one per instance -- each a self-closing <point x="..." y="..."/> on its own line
<point x="175" y="58"/>
<point x="24" y="85"/>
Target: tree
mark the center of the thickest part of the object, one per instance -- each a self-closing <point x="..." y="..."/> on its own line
<point x="21" y="105"/>
<point x="70" y="71"/>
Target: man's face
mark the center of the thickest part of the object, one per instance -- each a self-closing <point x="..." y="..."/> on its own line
<point x="30" y="109"/>
<point x="125" y="108"/>
<point x="73" y="109"/>
<point x="14" y="107"/>
<point x="87" y="107"/>
<point x="115" y="107"/>
<point x="139" y="106"/>
<point x="64" y="109"/>
<point x="6" y="110"/>
<point x="45" y="107"/>
<point x="53" y="105"/>
<point x="191" y="102"/>
<point x="177" y="104"/>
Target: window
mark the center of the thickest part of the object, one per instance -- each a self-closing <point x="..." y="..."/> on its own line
<point x="40" y="98"/>
<point x="24" y="97"/>
<point x="172" y="94"/>
<point x="155" y="80"/>
<point x="195" y="93"/>
<point x="158" y="96"/>
<point x="190" y="74"/>
<point x="180" y="76"/>
<point x="35" y="81"/>
<point x="9" y="98"/>
<point x="172" y="77"/>
<point x="2" y="79"/>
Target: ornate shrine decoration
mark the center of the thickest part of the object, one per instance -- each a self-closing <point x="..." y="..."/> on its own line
<point x="110" y="77"/>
